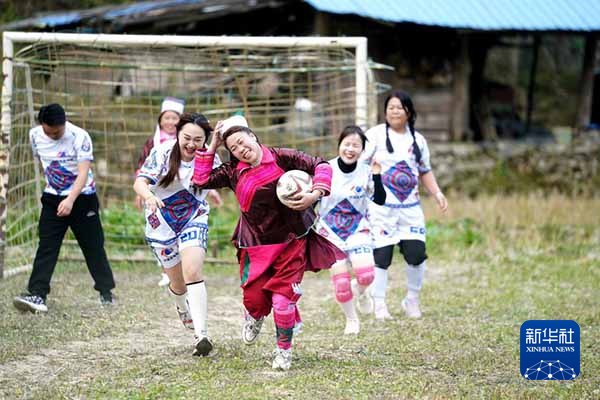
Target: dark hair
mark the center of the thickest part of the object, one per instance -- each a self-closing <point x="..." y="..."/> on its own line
<point x="353" y="130"/>
<point x="175" y="158"/>
<point x="52" y="115"/>
<point x="409" y="108"/>
<point x="231" y="131"/>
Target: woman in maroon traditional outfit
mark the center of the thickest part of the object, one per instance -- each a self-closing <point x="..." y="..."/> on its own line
<point x="275" y="243"/>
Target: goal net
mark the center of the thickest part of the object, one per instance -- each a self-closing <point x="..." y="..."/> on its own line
<point x="295" y="92"/>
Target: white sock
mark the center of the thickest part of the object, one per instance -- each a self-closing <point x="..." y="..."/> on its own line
<point x="379" y="285"/>
<point x="179" y="299"/>
<point x="198" y="303"/>
<point x="348" y="309"/>
<point x="414" y="278"/>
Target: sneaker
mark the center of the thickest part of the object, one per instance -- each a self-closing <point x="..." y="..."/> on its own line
<point x="251" y="329"/>
<point x="381" y="311"/>
<point x="30" y="302"/>
<point x="411" y="308"/>
<point x="107" y="299"/>
<point x="164" y="280"/>
<point x="202" y="346"/>
<point x="282" y="359"/>
<point x="185" y="318"/>
<point x="352" y="327"/>
<point x="364" y="301"/>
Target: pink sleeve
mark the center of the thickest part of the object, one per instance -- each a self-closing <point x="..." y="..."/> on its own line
<point x="322" y="178"/>
<point x="203" y="164"/>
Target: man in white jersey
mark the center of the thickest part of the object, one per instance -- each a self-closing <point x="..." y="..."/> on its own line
<point x="69" y="200"/>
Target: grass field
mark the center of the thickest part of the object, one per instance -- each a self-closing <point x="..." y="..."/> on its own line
<point x="495" y="262"/>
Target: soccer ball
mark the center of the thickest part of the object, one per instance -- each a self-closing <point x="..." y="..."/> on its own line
<point x="291" y="183"/>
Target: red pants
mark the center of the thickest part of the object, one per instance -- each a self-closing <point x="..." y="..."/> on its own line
<point x="283" y="277"/>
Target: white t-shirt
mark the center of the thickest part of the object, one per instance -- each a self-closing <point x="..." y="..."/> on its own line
<point x="401" y="217"/>
<point x="183" y="204"/>
<point x="343" y="214"/>
<point x="60" y="157"/>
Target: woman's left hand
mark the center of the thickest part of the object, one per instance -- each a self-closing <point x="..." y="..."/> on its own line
<point x="304" y="200"/>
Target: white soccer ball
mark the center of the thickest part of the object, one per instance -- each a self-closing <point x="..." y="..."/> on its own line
<point x="291" y="183"/>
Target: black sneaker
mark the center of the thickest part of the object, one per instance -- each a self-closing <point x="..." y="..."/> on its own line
<point x="202" y="346"/>
<point x="30" y="302"/>
<point x="107" y="299"/>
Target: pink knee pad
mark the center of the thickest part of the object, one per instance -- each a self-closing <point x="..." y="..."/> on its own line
<point x="365" y="275"/>
<point x="341" y="285"/>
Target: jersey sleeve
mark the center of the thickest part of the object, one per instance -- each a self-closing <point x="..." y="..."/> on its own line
<point x="153" y="166"/>
<point x="32" y="140"/>
<point x="424" y="165"/>
<point x="83" y="147"/>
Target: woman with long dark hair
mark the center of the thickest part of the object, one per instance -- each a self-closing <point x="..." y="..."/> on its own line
<point x="177" y="221"/>
<point x="404" y="158"/>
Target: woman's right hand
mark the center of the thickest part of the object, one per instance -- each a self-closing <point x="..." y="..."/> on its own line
<point x="216" y="139"/>
<point x="153" y="203"/>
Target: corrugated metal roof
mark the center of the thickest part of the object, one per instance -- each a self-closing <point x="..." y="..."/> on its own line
<point x="489" y="15"/>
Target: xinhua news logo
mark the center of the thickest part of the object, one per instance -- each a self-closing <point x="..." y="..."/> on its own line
<point x="550" y="350"/>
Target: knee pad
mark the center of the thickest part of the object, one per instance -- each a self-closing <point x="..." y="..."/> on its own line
<point x="364" y="275"/>
<point x="413" y="251"/>
<point x="383" y="256"/>
<point x="341" y="285"/>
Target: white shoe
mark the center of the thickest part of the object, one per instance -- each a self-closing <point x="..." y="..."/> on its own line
<point x="381" y="311"/>
<point x="282" y="359"/>
<point x="364" y="301"/>
<point x="251" y="329"/>
<point x="352" y="327"/>
<point x="202" y="346"/>
<point x="411" y="308"/>
<point x="164" y="280"/>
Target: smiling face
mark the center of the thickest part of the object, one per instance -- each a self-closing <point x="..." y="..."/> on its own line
<point x="244" y="147"/>
<point x="350" y="148"/>
<point x="168" y="122"/>
<point x="396" y="115"/>
<point x="191" y="138"/>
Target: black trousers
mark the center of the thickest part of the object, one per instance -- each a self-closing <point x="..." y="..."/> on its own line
<point x="84" y="221"/>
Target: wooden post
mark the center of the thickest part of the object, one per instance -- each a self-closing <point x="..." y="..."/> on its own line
<point x="586" y="84"/>
<point x="7" y="69"/>
<point x="460" y="90"/>
<point x="531" y="88"/>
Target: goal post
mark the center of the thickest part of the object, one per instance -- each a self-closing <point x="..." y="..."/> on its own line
<point x="295" y="91"/>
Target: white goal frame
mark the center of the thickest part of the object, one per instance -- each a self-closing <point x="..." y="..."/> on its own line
<point x="358" y="44"/>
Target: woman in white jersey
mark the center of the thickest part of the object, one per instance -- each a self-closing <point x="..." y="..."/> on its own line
<point x="404" y="158"/>
<point x="171" y="109"/>
<point x="177" y="221"/>
<point x="343" y="221"/>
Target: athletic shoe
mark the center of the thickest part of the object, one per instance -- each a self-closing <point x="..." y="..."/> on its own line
<point x="107" y="299"/>
<point x="164" y="280"/>
<point x="30" y="302"/>
<point x="202" y="346"/>
<point x="251" y="329"/>
<point x="364" y="301"/>
<point x="282" y="359"/>
<point x="185" y="318"/>
<point x="411" y="308"/>
<point x="352" y="327"/>
<point x="381" y="311"/>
